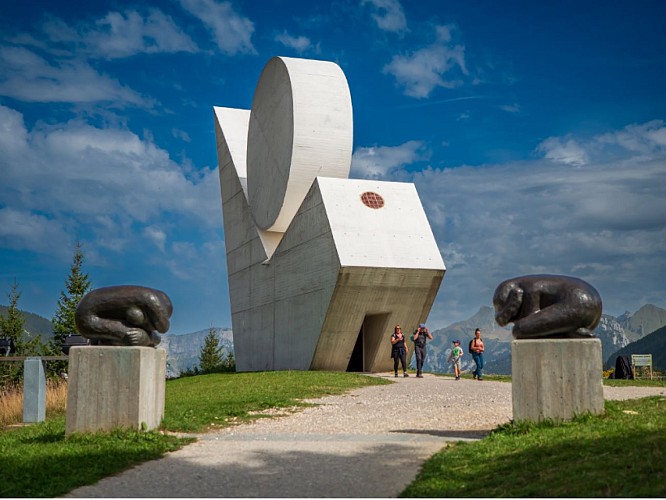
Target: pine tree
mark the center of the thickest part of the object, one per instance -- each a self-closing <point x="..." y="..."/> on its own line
<point x="210" y="358"/>
<point x="77" y="284"/>
<point x="230" y="362"/>
<point x="13" y="326"/>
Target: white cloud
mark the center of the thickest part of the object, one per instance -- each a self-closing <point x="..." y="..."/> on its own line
<point x="107" y="183"/>
<point x="388" y="15"/>
<point x="232" y="32"/>
<point x="510" y="108"/>
<point x="123" y="34"/>
<point x="644" y="139"/>
<point x="300" y="44"/>
<point x="156" y="235"/>
<point x="634" y="141"/>
<point x="116" y="35"/>
<point x="29" y="77"/>
<point x="379" y="162"/>
<point x="181" y="134"/>
<point x="566" y="151"/>
<point x="603" y="223"/>
<point x="438" y="65"/>
<point x="23" y="230"/>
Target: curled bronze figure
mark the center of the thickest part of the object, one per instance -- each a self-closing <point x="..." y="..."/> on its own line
<point x="124" y="315"/>
<point x="548" y="306"/>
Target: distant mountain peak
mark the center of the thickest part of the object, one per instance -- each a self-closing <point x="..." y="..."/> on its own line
<point x="625" y="316"/>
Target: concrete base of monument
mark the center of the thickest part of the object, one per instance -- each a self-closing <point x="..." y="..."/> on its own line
<point x="556" y="379"/>
<point x="110" y="387"/>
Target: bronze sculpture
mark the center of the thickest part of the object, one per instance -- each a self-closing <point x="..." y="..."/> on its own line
<point x="124" y="315"/>
<point x="548" y="306"/>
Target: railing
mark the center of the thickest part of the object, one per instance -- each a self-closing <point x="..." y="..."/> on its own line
<point x="44" y="358"/>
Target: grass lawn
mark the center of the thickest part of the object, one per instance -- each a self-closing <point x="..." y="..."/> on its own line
<point x="196" y="404"/>
<point x="619" y="454"/>
<point x="39" y="461"/>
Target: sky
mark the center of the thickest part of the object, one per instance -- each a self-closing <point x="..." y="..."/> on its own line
<point x="534" y="132"/>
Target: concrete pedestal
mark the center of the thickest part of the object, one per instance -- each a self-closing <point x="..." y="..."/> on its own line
<point x="556" y="379"/>
<point x="113" y="387"/>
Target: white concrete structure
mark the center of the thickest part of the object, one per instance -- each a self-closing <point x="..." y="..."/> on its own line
<point x="320" y="267"/>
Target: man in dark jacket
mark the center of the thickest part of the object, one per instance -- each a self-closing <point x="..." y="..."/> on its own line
<point x="420" y="337"/>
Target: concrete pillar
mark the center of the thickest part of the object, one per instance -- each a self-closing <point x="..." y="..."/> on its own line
<point x="34" y="390"/>
<point x="111" y="387"/>
<point x="556" y="378"/>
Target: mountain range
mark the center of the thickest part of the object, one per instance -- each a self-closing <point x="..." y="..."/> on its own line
<point x="653" y="343"/>
<point x="621" y="333"/>
<point x="641" y="332"/>
<point x="183" y="350"/>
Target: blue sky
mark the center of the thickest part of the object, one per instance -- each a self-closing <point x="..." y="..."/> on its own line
<point x="534" y="132"/>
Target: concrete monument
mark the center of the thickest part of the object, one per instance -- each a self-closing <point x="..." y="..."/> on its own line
<point x="320" y="267"/>
<point x="556" y="360"/>
<point x="119" y="381"/>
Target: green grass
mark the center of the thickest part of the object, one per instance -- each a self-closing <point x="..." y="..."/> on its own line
<point x="622" y="453"/>
<point x="619" y="454"/>
<point x="196" y="404"/>
<point x="39" y="461"/>
<point x="635" y="383"/>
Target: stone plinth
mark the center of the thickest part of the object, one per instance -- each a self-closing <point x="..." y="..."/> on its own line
<point x="113" y="387"/>
<point x="556" y="378"/>
<point x="34" y="391"/>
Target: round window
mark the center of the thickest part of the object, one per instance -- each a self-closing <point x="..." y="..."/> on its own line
<point x="372" y="200"/>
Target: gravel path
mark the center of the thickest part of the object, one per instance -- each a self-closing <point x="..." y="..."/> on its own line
<point x="369" y="442"/>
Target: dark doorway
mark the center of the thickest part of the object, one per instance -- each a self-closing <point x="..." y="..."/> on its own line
<point x="356" y="359"/>
<point x="368" y="343"/>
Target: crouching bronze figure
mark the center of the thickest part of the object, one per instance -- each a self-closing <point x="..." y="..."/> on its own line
<point x="548" y="306"/>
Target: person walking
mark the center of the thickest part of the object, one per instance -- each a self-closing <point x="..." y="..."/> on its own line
<point x="455" y="357"/>
<point x="420" y="337"/>
<point x="399" y="350"/>
<point x="476" y="348"/>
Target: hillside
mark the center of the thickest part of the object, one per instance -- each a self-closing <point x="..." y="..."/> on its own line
<point x="34" y="324"/>
<point x="654" y="343"/>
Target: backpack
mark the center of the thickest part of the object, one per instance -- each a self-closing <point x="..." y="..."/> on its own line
<point x="471" y="343"/>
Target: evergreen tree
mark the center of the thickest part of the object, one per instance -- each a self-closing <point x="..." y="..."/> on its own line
<point x="230" y="362"/>
<point x="210" y="358"/>
<point x="77" y="284"/>
<point x="13" y="326"/>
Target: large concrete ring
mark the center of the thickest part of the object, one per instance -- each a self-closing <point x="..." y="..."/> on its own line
<point x="301" y="127"/>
